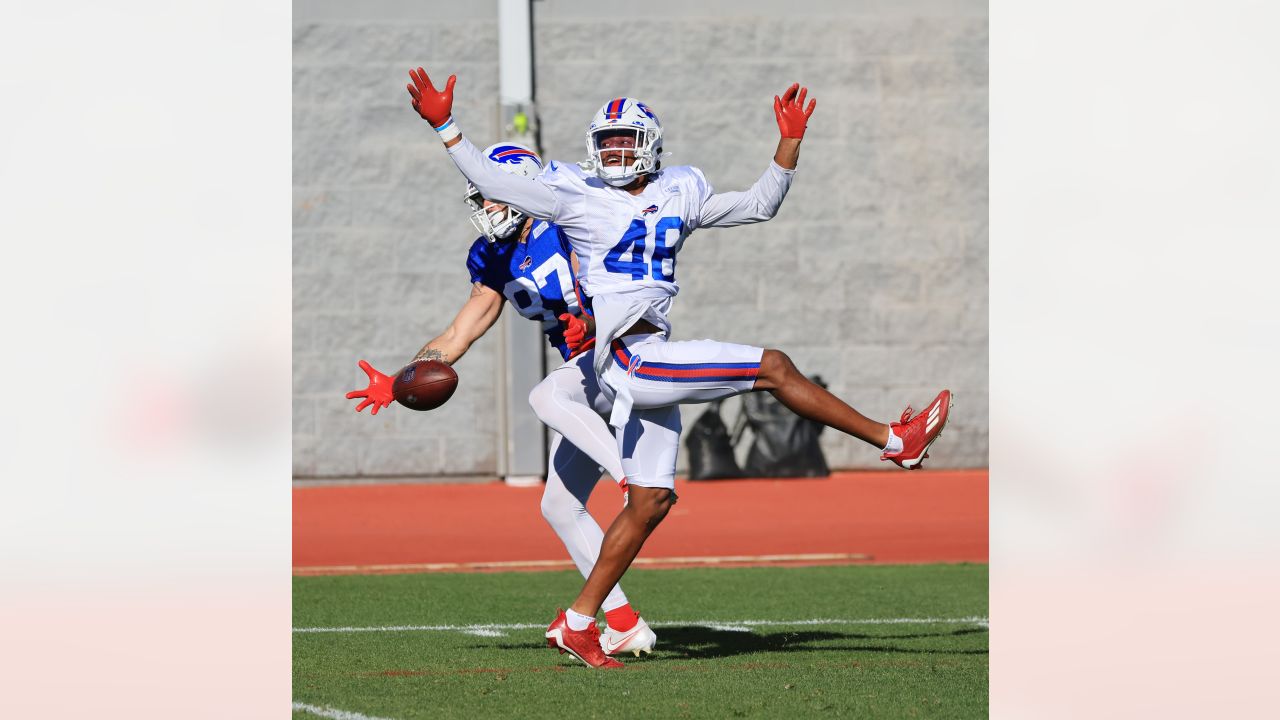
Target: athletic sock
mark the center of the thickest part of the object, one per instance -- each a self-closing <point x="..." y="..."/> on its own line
<point x="894" y="444"/>
<point x="622" y="618"/>
<point x="577" y="621"/>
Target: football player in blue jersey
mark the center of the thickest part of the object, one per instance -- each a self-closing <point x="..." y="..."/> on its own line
<point x="529" y="263"/>
<point x="627" y="216"/>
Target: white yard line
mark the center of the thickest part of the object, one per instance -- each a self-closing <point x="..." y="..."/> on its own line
<point x="494" y="629"/>
<point x="333" y="713"/>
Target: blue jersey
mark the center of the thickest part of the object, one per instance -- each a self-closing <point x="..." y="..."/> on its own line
<point x="535" y="276"/>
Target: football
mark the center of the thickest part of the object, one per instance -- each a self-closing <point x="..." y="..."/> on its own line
<point x="424" y="384"/>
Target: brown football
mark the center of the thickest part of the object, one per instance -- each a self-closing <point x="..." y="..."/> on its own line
<point x="424" y="384"/>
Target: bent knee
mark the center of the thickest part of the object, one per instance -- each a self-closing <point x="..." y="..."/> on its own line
<point x="652" y="504"/>
<point x="540" y="394"/>
<point x="775" y="364"/>
<point x="559" y="510"/>
<point x="542" y="399"/>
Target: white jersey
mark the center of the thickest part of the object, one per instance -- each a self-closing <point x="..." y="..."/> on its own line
<point x="623" y="240"/>
<point x="626" y="244"/>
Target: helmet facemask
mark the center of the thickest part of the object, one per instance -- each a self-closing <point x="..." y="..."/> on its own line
<point x="493" y="222"/>
<point x="505" y="222"/>
<point x="646" y="151"/>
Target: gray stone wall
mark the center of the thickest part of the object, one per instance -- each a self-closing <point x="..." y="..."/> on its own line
<point x="380" y="238"/>
<point x="874" y="274"/>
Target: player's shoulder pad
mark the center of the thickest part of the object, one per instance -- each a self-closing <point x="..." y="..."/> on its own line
<point x="562" y="171"/>
<point x="683" y="178"/>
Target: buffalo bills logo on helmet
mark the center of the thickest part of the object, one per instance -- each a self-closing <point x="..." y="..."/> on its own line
<point x="526" y="263"/>
<point x="513" y="155"/>
<point x="633" y="365"/>
<point x="649" y="210"/>
<point x="645" y="109"/>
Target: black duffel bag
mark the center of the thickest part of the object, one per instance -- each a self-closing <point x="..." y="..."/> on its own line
<point x="709" y="447"/>
<point x="784" y="444"/>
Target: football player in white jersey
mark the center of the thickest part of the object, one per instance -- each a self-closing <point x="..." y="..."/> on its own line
<point x="529" y="263"/>
<point x="626" y="217"/>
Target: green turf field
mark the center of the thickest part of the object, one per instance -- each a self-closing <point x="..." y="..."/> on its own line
<point x="731" y="643"/>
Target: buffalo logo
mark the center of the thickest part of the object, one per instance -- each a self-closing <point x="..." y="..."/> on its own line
<point x="513" y="155"/>
<point x="645" y="109"/>
<point x="650" y="209"/>
<point x="633" y="366"/>
<point x="526" y="263"/>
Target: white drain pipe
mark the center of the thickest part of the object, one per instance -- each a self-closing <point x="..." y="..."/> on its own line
<point x="523" y="454"/>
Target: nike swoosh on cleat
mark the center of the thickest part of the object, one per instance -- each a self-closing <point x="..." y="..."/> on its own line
<point x="611" y="648"/>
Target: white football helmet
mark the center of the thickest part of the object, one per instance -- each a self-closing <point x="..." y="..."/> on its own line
<point x="495" y="223"/>
<point x="625" y="114"/>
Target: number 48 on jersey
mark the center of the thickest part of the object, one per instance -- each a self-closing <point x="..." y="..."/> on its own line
<point x="648" y="254"/>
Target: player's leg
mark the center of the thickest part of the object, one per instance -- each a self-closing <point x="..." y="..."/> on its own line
<point x="571" y="476"/>
<point x="649" y="442"/>
<point x="779" y="376"/>
<point x="569" y="402"/>
<point x="701" y="370"/>
<point x="575" y="630"/>
<point x="906" y="442"/>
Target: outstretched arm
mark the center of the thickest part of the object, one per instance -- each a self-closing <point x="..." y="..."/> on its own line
<point x="436" y="107"/>
<point x="477" y="315"/>
<point x="762" y="201"/>
<point x="475" y="318"/>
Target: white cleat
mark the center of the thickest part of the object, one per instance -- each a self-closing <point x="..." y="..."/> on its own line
<point x="636" y="640"/>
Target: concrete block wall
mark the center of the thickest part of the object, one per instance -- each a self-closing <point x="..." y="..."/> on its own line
<point x="873" y="275"/>
<point x="381" y="235"/>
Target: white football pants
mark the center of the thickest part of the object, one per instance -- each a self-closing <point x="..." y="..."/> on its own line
<point x="658" y="375"/>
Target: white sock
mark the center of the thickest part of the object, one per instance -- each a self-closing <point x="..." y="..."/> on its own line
<point x="894" y="445"/>
<point x="578" y="621"/>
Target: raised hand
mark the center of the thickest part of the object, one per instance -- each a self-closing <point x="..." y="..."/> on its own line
<point x="433" y="105"/>
<point x="378" y="394"/>
<point x="791" y="113"/>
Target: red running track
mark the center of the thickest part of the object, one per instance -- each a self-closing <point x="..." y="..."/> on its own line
<point x="879" y="517"/>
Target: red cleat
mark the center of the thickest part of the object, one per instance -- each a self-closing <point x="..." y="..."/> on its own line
<point x="919" y="432"/>
<point x="582" y="644"/>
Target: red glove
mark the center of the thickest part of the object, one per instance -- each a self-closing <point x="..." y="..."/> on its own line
<point x="434" y="106"/>
<point x="790" y="111"/>
<point x="626" y="492"/>
<point x="378" y="394"/>
<point x="575" y="335"/>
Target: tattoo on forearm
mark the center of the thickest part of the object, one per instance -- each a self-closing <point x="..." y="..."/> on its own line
<point x="431" y="354"/>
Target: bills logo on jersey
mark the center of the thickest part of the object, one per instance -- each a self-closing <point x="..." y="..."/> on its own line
<point x="633" y="366"/>
<point x="526" y="263"/>
<point x="649" y="210"/>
